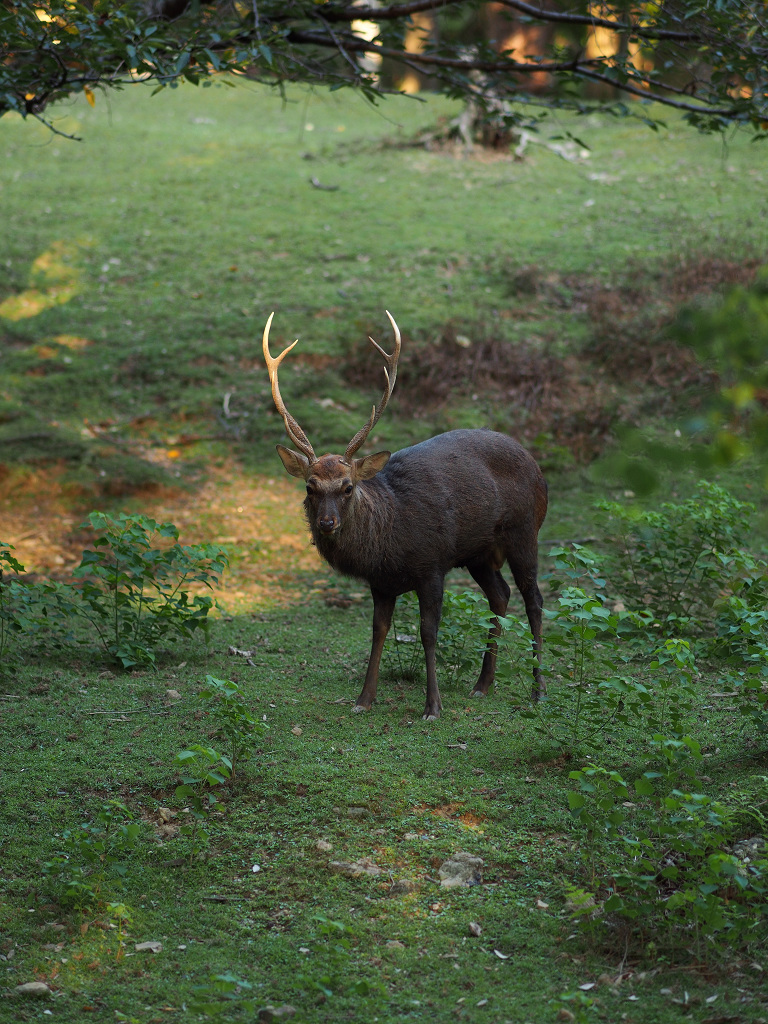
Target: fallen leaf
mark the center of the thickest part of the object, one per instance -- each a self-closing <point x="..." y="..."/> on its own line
<point x="541" y="905"/>
<point x="296" y="730"/>
<point x="475" y="929"/>
<point x="153" y="947"/>
<point x="500" y="955"/>
<point x="239" y="653"/>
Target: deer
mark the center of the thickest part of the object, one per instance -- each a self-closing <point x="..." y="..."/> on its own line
<point x="470" y="498"/>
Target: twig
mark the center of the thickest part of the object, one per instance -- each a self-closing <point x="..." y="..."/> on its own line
<point x="138" y="711"/>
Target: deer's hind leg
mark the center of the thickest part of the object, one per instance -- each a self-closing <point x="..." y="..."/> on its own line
<point x="495" y="588"/>
<point x="522" y="555"/>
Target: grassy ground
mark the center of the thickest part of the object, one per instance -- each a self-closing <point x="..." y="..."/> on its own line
<point x="140" y="267"/>
<point x="384" y="786"/>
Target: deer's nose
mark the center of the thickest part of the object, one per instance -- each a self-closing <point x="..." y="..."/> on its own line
<point x="327" y="524"/>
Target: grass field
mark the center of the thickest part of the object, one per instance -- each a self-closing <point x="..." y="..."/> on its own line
<point x="138" y="269"/>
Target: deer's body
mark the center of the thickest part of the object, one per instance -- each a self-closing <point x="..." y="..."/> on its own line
<point x="441" y="504"/>
<point x="470" y="498"/>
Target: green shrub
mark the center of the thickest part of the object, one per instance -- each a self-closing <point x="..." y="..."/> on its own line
<point x="671" y="559"/>
<point x="133" y="593"/>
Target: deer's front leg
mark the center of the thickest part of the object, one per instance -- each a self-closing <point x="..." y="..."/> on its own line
<point x="430" y="595"/>
<point x="383" y="608"/>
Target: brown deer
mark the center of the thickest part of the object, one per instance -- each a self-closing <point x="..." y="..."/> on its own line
<point x="471" y="498"/>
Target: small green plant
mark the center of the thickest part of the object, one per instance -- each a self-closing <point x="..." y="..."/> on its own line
<point x="234" y="720"/>
<point x="576" y="1006"/>
<point x="94" y="855"/>
<point x="332" y="947"/>
<point x="581" y="634"/>
<point x="671" y="557"/>
<point x="597" y="806"/>
<point x="222" y="994"/>
<point x="8" y="618"/>
<point x="463" y="634"/>
<point x="202" y="770"/>
<point x="133" y="593"/>
<point x="121" y="916"/>
<point x="403" y="647"/>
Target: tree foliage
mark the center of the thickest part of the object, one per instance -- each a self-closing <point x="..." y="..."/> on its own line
<point x="707" y="58"/>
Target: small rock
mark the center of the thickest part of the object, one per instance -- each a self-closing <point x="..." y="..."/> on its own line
<point x="166" y="813"/>
<point x="394" y="944"/>
<point x="358" y="812"/>
<point x="364" y="866"/>
<point x="402" y="886"/>
<point x="173" y="695"/>
<point x="33" y="989"/>
<point x="296" y="730"/>
<point x="475" y="929"/>
<point x="748" y="850"/>
<point x="324" y="846"/>
<point x="461" y="868"/>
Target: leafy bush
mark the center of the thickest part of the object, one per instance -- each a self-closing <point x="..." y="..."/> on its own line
<point x="93" y="854"/>
<point x="133" y="593"/>
<point x="46" y="610"/>
<point x="668" y="861"/>
<point x="671" y="558"/>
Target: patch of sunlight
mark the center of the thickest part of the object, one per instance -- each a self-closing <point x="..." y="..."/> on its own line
<point x="55" y="347"/>
<point x="53" y="281"/>
<point x="72" y="341"/>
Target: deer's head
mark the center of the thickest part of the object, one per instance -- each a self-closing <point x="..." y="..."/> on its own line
<point x="331" y="479"/>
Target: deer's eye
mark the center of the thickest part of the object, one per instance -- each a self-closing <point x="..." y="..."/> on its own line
<point x="348" y="489"/>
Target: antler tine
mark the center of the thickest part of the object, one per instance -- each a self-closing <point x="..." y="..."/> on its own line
<point x="390" y="372"/>
<point x="292" y="428"/>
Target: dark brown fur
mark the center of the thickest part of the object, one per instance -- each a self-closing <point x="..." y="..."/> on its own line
<point x="470" y="498"/>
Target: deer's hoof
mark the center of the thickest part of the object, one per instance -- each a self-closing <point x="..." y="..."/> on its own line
<point x="358" y="708"/>
<point x="430" y="716"/>
<point x="478" y="693"/>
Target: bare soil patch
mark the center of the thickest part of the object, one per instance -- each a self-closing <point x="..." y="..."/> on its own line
<point x="257" y="518"/>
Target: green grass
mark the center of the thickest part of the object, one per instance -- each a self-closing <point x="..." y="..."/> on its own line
<point x="385" y="786"/>
<point x="167" y="238"/>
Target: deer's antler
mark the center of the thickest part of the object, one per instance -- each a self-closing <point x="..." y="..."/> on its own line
<point x="390" y="372"/>
<point x="292" y="428"/>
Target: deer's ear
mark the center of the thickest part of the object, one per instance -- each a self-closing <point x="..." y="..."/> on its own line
<point x="294" y="462"/>
<point x="364" y="469"/>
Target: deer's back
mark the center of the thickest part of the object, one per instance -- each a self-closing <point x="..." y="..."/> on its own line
<point x="442" y="503"/>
